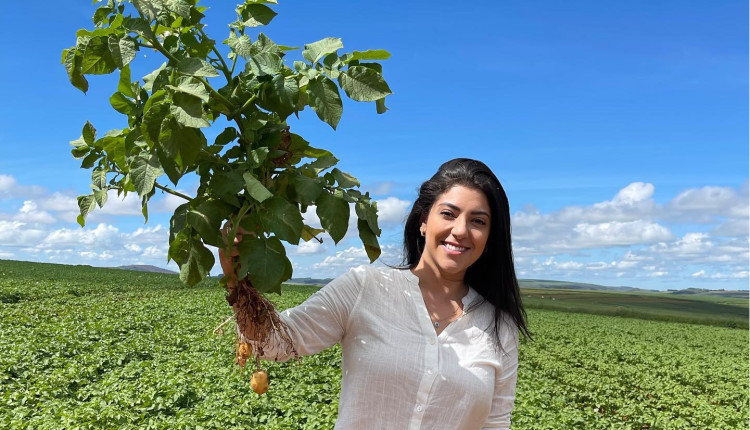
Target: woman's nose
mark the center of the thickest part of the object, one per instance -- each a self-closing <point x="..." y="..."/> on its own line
<point x="459" y="228"/>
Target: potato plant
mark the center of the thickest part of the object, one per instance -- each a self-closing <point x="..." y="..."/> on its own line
<point x="257" y="176"/>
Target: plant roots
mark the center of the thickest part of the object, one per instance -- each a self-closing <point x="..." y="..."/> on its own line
<point x="258" y="326"/>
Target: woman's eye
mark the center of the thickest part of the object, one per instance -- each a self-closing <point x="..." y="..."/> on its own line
<point x="480" y="221"/>
<point x="446" y="213"/>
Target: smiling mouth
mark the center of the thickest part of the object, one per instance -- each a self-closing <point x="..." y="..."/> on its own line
<point x="455" y="248"/>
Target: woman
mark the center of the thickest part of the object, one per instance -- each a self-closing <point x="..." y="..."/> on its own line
<point x="433" y="344"/>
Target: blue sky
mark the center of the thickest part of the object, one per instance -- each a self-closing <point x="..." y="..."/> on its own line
<point x="618" y="129"/>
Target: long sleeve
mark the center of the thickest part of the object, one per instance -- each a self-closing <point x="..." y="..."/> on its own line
<point x="320" y="321"/>
<point x="505" y="385"/>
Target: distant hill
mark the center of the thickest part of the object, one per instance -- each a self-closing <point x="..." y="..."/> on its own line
<point x="146" y="268"/>
<point x="309" y="281"/>
<point x="543" y="283"/>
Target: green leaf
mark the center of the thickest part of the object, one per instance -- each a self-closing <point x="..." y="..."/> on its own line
<point x="256" y="157"/>
<point x="372" y="54"/>
<point x="172" y="170"/>
<point x="344" y="179"/>
<point x="89" y="133"/>
<point x="264" y="63"/>
<point x="324" y="99"/>
<point x="89" y="161"/>
<point x="121" y="103"/>
<point x="188" y="111"/>
<point x="207" y="218"/>
<point x="148" y="8"/>
<point x="242" y="45"/>
<point x="227" y="185"/>
<point x="265" y="261"/>
<point x="307" y="189"/>
<point x="86" y="204"/>
<point x="99" y="177"/>
<point x="155" y="80"/>
<point x="368" y="212"/>
<point x="363" y="84"/>
<point x="182" y="144"/>
<point x="116" y="151"/>
<point x="73" y="66"/>
<point x="369" y="240"/>
<point x="179" y="7"/>
<point x="322" y="163"/>
<point x="124" y="85"/>
<point x="194" y="47"/>
<point x="138" y="25"/>
<point x="179" y="245"/>
<point x="122" y="50"/>
<point x="144" y="207"/>
<point x="144" y="169"/>
<point x="226" y="136"/>
<point x="280" y="96"/>
<point x="317" y="50"/>
<point x="197" y="67"/>
<point x="192" y="86"/>
<point x="155" y="111"/>
<point x="255" y="15"/>
<point x="256" y="190"/>
<point x="333" y="212"/>
<point x="311" y="152"/>
<point x="101" y="14"/>
<point x="264" y="44"/>
<point x="100" y="196"/>
<point x="283" y="219"/>
<point x="199" y="263"/>
<point x="178" y="222"/>
<point x="97" y="59"/>
<point x="309" y="233"/>
<point x="380" y="106"/>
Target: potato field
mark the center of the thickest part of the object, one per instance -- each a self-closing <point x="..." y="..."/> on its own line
<point x="86" y="348"/>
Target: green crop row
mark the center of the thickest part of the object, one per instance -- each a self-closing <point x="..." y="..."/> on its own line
<point x="85" y="348"/>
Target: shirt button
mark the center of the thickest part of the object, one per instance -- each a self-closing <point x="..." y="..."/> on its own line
<point x="419" y="408"/>
<point x="432" y="341"/>
<point x="429" y="371"/>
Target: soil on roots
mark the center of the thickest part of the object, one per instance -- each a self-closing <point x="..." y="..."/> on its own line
<point x="258" y="326"/>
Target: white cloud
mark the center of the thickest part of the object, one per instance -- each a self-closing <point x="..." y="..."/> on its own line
<point x="58" y="202"/>
<point x="18" y="233"/>
<point x="619" y="233"/>
<point x="310" y="247"/>
<point x="708" y="203"/>
<point x="733" y="227"/>
<point x="10" y="188"/>
<point x="31" y="213"/>
<point x="392" y="212"/>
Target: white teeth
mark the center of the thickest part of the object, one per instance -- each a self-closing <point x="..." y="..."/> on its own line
<point x="455" y="248"/>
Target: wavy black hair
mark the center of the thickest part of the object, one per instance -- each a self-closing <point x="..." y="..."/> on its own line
<point x="493" y="275"/>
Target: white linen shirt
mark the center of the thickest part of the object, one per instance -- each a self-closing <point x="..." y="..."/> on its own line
<point x="397" y="373"/>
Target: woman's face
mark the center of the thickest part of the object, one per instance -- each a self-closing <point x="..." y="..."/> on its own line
<point x="456" y="231"/>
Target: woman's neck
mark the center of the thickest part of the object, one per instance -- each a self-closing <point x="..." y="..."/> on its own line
<point x="436" y="285"/>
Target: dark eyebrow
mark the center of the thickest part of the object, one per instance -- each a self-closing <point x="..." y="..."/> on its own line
<point x="457" y="209"/>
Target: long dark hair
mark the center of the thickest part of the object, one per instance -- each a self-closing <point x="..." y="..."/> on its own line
<point x="493" y="275"/>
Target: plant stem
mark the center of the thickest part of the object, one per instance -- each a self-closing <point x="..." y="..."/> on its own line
<point x="174" y="193"/>
<point x="159" y="47"/>
<point x="224" y="68"/>
<point x="248" y="102"/>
